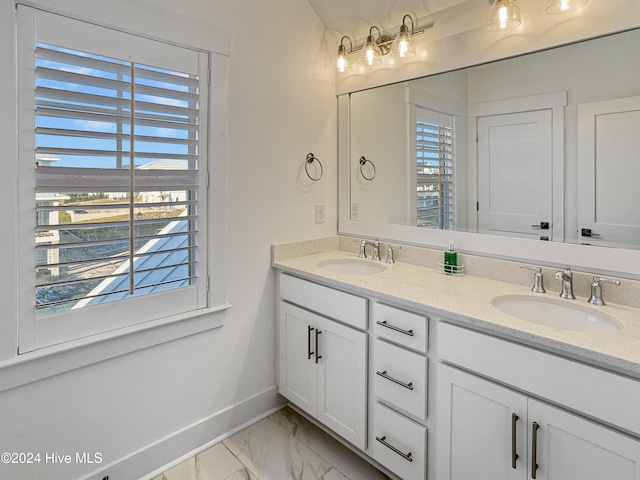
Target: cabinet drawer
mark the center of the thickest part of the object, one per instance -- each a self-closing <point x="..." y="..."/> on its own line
<point x="399" y="444"/>
<point x="400" y="378"/>
<point x="404" y="328"/>
<point x="332" y="303"/>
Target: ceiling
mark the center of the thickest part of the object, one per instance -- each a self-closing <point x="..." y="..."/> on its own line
<point x="355" y="17"/>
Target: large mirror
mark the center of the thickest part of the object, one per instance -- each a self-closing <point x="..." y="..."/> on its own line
<point x="545" y="146"/>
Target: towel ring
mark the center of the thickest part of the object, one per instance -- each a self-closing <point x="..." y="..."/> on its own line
<point x="310" y="159"/>
<point x="363" y="162"/>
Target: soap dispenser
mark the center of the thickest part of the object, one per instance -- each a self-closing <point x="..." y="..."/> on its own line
<point x="450" y="260"/>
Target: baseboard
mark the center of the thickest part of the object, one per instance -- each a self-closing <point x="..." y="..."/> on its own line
<point x="157" y="457"/>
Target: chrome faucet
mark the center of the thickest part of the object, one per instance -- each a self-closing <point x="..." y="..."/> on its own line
<point x="566" y="276"/>
<point x="376" y="249"/>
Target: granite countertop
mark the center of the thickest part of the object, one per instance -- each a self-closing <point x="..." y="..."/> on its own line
<point x="466" y="300"/>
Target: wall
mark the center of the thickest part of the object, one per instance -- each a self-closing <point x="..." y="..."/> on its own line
<point x="374" y="121"/>
<point x="145" y="408"/>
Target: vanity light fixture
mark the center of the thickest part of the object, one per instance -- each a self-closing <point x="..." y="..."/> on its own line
<point x="503" y="15"/>
<point x="371" y="53"/>
<point x="374" y="48"/>
<point x="562" y="6"/>
<point x="342" y="62"/>
<point x="403" y="46"/>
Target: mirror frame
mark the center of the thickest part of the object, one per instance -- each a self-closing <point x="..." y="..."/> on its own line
<point x="619" y="262"/>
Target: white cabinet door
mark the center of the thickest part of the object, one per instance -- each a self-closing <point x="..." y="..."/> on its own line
<point x="572" y="448"/>
<point x="342" y="374"/>
<point x="479" y="437"/>
<point x="323" y="371"/>
<point x="297" y="370"/>
<point x="477" y="430"/>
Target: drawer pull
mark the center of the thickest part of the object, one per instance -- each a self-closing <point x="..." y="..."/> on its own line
<point x="534" y="449"/>
<point x="318" y="332"/>
<point x="309" y="352"/>
<point x="383" y="374"/>
<point x="406" y="456"/>
<point x="514" y="454"/>
<point x="397" y="329"/>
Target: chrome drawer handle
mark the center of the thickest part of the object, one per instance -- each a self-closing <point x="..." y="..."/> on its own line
<point x="408" y="386"/>
<point x="406" y="456"/>
<point x="397" y="329"/>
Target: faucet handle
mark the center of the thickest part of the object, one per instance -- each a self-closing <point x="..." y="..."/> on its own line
<point x="390" y="258"/>
<point x="362" y="253"/>
<point x="596" y="289"/>
<point x="538" y="278"/>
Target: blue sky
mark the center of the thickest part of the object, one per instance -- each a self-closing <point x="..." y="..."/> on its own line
<point x="105" y="127"/>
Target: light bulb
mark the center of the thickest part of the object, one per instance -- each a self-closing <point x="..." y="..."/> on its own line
<point x="502" y="15"/>
<point x="341" y="64"/>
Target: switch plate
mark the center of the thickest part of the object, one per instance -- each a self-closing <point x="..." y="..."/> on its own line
<point x="355" y="210"/>
<point x="319" y="213"/>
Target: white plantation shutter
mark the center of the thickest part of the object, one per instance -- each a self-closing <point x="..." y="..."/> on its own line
<point x="120" y="178"/>
<point x="435" y="170"/>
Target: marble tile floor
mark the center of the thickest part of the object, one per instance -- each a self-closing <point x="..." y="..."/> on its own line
<point x="283" y="446"/>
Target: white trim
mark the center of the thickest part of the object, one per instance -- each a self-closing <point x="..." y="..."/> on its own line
<point x="192" y="439"/>
<point x="47" y="362"/>
<point x="162" y="25"/>
<point x="520" y="104"/>
<point x="164" y="308"/>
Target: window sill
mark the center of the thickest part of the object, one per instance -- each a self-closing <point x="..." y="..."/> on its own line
<point x="57" y="359"/>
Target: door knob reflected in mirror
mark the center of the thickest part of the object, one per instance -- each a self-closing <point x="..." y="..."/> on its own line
<point x="542" y="226"/>
<point x="586" y="232"/>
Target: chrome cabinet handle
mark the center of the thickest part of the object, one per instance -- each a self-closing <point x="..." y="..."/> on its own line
<point x="514" y="454"/>
<point x="309" y="352"/>
<point x="384" y="374"/>
<point x="397" y="329"/>
<point x="534" y="449"/>
<point x="406" y="456"/>
<point x="318" y="357"/>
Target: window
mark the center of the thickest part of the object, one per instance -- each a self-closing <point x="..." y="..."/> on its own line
<point x="115" y="126"/>
<point x="434" y="169"/>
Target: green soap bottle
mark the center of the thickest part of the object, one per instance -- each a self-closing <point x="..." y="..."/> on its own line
<point x="450" y="260"/>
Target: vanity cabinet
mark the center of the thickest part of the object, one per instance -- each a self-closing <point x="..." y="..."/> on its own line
<point x="323" y="362"/>
<point x="488" y="431"/>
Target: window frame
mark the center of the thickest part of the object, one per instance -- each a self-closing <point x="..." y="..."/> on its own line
<point x="123" y="315"/>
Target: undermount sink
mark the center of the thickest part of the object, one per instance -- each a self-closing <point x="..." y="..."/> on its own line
<point x="555" y="312"/>
<point x="352" y="265"/>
